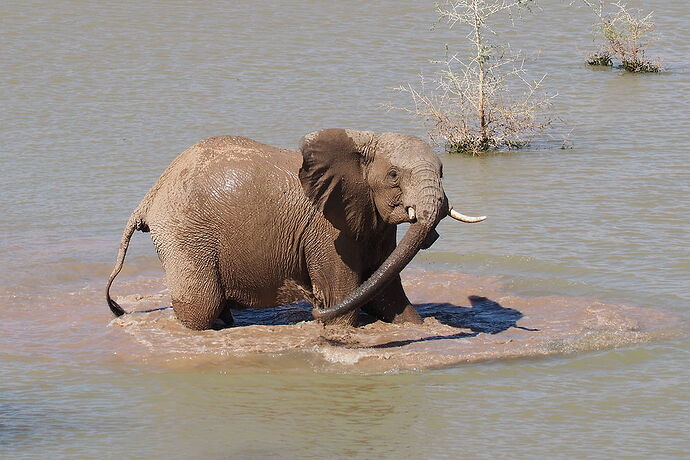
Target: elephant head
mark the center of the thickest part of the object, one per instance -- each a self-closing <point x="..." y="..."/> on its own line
<point x="361" y="181"/>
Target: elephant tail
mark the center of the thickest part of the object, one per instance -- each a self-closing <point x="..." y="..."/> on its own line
<point x="134" y="223"/>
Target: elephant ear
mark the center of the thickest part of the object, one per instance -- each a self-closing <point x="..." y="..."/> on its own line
<point x="333" y="177"/>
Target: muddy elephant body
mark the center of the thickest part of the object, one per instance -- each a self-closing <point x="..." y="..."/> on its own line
<point x="237" y="223"/>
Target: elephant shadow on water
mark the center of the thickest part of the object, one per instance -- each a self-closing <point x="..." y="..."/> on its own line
<point x="484" y="316"/>
<point x="283" y="315"/>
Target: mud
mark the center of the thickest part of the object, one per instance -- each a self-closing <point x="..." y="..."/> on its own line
<point x="466" y="319"/>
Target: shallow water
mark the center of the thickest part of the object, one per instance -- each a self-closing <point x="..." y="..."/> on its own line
<point x="588" y="245"/>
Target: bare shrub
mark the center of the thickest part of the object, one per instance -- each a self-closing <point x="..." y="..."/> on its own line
<point x="601" y="57"/>
<point x="472" y="104"/>
<point x="626" y="33"/>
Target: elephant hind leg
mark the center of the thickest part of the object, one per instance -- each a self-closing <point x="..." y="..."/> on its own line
<point x="197" y="295"/>
<point x="195" y="314"/>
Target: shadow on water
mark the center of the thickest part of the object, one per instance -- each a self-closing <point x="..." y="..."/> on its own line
<point x="282" y="315"/>
<point x="485" y="316"/>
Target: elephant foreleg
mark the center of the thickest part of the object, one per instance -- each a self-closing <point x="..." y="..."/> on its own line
<point x="331" y="284"/>
<point x="392" y="305"/>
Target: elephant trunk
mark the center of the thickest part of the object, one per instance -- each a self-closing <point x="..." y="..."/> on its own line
<point x="427" y="213"/>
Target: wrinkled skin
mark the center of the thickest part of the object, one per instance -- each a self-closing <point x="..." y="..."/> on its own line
<point x="237" y="223"/>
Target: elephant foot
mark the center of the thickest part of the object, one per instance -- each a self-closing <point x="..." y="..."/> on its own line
<point x="408" y="315"/>
<point x="395" y="315"/>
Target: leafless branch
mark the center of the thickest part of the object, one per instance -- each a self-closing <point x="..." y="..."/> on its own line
<point x="626" y="33"/>
<point x="469" y="107"/>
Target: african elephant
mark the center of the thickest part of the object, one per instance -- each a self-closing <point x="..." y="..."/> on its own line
<point x="237" y="223"/>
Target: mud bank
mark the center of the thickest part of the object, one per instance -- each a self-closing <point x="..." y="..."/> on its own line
<point x="466" y="319"/>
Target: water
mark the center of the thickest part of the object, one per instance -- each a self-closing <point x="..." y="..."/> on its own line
<point x="98" y="98"/>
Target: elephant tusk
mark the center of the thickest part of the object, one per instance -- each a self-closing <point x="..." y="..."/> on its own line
<point x="463" y="218"/>
<point x="411" y="214"/>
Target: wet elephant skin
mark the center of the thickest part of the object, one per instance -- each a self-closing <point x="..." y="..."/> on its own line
<point x="237" y="224"/>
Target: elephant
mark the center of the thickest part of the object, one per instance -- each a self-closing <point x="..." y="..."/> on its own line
<point x="240" y="224"/>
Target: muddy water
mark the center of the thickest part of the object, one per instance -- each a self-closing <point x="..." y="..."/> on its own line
<point x="557" y="328"/>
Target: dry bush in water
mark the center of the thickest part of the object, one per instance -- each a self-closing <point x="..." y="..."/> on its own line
<point x="626" y="33"/>
<point x="484" y="101"/>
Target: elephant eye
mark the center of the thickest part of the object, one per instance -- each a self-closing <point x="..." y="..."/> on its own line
<point x="393" y="175"/>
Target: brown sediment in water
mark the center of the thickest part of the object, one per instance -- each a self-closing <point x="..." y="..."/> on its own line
<point x="466" y="319"/>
